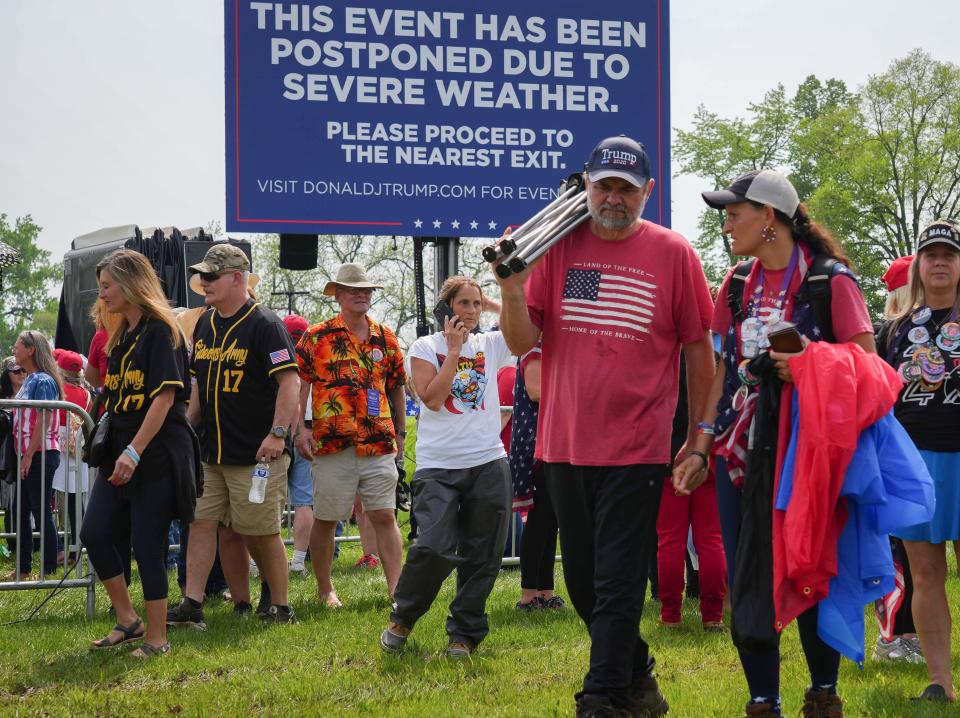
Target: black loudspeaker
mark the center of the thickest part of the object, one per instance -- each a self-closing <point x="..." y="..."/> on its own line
<point x="193" y="252"/>
<point x="80" y="287"/>
<point x="299" y="251"/>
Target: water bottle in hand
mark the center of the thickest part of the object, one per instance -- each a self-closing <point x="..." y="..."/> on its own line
<point x="258" y="483"/>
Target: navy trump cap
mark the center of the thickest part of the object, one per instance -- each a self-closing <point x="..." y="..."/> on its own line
<point x="619" y="157"/>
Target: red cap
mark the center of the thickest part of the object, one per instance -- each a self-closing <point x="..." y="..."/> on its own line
<point x="296" y="325"/>
<point x="898" y="273"/>
<point x="69" y="361"/>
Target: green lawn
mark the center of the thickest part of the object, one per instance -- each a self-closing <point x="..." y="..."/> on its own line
<point x="331" y="665"/>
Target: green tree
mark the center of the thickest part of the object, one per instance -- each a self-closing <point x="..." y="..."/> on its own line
<point x="26" y="301"/>
<point x="873" y="166"/>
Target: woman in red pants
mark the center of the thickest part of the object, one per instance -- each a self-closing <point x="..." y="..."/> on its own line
<point x="678" y="515"/>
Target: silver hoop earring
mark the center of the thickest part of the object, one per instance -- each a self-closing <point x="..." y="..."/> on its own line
<point x="768" y="233"/>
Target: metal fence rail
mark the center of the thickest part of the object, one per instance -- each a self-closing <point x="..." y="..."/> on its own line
<point x="68" y="534"/>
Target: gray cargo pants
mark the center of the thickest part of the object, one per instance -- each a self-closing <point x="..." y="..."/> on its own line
<point x="463" y="515"/>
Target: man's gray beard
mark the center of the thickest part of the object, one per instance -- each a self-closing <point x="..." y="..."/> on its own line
<point x="608" y="222"/>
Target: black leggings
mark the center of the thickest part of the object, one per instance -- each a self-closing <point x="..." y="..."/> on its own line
<point x="762" y="670"/>
<point x="140" y="513"/>
<point x="35" y="497"/>
<point x="538" y="545"/>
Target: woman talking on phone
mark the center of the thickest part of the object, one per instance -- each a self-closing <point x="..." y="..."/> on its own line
<point x="146" y="477"/>
<point x="462" y="489"/>
<point x="766" y="221"/>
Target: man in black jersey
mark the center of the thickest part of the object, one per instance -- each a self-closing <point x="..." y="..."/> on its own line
<point x="244" y="398"/>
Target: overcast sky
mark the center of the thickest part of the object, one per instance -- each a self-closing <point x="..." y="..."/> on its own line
<point x="112" y="111"/>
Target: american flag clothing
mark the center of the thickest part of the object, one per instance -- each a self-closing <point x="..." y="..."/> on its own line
<point x="38" y="386"/>
<point x="733" y="425"/>
<point x="608" y="298"/>
<point x="523" y="436"/>
<point x="613" y="316"/>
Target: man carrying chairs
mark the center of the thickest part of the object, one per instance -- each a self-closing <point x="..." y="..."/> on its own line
<point x="613" y="300"/>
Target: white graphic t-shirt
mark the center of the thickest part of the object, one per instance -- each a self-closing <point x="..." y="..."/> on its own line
<point x="465" y="432"/>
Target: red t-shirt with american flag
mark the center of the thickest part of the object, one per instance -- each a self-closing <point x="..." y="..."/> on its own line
<point x="613" y="317"/>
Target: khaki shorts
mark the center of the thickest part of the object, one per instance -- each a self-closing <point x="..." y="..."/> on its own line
<point x="225" y="491"/>
<point x="339" y="477"/>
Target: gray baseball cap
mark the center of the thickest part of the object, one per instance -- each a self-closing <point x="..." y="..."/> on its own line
<point x="763" y="186"/>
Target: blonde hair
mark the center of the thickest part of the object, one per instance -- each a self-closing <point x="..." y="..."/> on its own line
<point x="896" y="301"/>
<point x="140" y="286"/>
<point x="42" y="355"/>
<point x="452" y="286"/>
<point x="103" y="319"/>
<point x="916" y="297"/>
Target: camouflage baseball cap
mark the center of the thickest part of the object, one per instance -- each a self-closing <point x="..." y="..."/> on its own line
<point x="222" y="257"/>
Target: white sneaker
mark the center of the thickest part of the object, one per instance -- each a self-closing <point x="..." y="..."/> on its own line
<point x="900" y="648"/>
<point x="254" y="571"/>
<point x="300" y="568"/>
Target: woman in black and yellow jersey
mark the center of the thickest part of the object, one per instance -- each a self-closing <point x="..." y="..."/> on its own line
<point x="148" y="476"/>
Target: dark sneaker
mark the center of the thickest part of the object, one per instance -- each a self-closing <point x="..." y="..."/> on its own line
<point x="760" y="710"/>
<point x="242" y="610"/>
<point x="554" y="603"/>
<point x="531" y="605"/>
<point x="394" y="638"/>
<point x="280" y="614"/>
<point x="646" y="700"/>
<point x="821" y="704"/>
<point x="263" y="605"/>
<point x="458" y="650"/>
<point x="594" y="706"/>
<point x="186" y="615"/>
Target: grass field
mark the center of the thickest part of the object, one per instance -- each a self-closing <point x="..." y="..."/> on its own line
<point x="330" y="664"/>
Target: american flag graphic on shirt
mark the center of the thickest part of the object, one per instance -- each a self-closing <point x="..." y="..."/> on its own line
<point x="608" y="299"/>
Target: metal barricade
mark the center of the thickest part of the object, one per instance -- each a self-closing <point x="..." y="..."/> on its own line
<point x="86" y="578"/>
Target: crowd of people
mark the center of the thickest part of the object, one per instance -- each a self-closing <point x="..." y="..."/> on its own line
<point x="804" y="458"/>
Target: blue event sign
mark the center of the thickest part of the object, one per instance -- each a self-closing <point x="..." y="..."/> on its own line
<point x="433" y="117"/>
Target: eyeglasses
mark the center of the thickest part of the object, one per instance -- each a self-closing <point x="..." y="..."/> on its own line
<point x="358" y="290"/>
<point x="16" y="370"/>
<point x="209" y="277"/>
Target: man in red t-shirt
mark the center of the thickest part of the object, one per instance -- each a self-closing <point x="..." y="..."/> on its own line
<point x="613" y="302"/>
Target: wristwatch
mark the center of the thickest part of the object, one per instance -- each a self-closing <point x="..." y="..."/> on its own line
<point x="280" y="432"/>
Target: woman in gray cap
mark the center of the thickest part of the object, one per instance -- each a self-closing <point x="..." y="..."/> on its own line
<point x="766" y="221"/>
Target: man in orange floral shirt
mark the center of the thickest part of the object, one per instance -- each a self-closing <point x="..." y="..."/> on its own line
<point x="354" y="367"/>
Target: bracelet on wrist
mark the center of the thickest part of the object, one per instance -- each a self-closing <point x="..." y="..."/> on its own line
<point x="132" y="453"/>
<point x="706" y="428"/>
<point x="703" y="456"/>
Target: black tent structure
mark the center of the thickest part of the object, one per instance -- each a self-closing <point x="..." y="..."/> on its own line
<point x="169" y="250"/>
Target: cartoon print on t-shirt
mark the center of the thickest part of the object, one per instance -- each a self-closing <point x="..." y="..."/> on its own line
<point x="469" y="384"/>
<point x="608" y="300"/>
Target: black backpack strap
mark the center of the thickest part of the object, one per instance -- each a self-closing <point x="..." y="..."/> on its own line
<point x="816" y="291"/>
<point x="738" y="282"/>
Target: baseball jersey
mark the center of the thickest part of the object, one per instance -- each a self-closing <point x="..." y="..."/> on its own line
<point x="235" y="363"/>
<point x="141" y="366"/>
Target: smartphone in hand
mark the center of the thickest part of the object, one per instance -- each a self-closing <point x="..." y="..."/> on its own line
<point x="785" y="338"/>
<point x="442" y="311"/>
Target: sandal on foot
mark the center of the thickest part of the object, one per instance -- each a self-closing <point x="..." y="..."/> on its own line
<point x="933" y="692"/>
<point x="133" y="632"/>
<point x="149" y="651"/>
